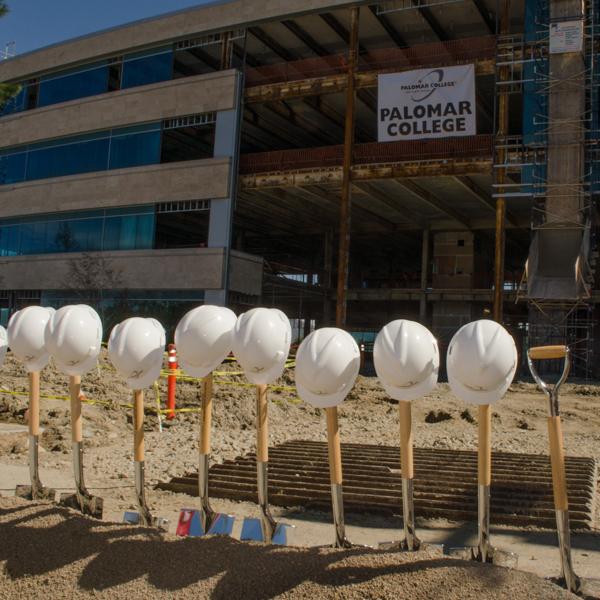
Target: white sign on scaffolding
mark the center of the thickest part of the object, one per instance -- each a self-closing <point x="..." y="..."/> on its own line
<point x="427" y="103"/>
<point x="566" y="37"/>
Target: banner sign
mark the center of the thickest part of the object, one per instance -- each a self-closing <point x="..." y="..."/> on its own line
<point x="427" y="103"/>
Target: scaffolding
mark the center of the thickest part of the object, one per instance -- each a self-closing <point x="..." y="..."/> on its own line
<point x="559" y="309"/>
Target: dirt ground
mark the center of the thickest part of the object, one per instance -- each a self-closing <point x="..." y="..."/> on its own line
<point x="367" y="416"/>
<point x="50" y="552"/>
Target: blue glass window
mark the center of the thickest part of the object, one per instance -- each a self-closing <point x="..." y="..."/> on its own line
<point x="147" y="67"/>
<point x="12" y="166"/>
<point x="91" y="80"/>
<point x="135" y="146"/>
<point x="130" y="228"/>
<point x="68" y="157"/>
<point x="15" y="104"/>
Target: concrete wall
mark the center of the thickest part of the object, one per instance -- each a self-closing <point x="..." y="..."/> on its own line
<point x="190" y="95"/>
<point x="154" y="31"/>
<point x="245" y="273"/>
<point x="191" y="180"/>
<point x="181" y="269"/>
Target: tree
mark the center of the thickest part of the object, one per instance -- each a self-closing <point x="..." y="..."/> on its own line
<point x="7" y="90"/>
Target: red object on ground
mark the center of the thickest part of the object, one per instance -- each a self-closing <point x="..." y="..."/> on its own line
<point x="171" y="381"/>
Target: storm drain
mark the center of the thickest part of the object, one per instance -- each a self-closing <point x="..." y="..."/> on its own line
<point x="445" y="483"/>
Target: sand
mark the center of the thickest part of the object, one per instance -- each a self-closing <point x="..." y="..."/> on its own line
<point x="120" y="562"/>
<point x="50" y="552"/>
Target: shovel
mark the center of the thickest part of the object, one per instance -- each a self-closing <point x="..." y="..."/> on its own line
<point x="557" y="457"/>
<point x="336" y="479"/>
<point x="35" y="491"/>
<point x="212" y="523"/>
<point x="485" y="552"/>
<point x="264" y="529"/>
<point x="81" y="500"/>
<point x="411" y="542"/>
<point x="143" y="516"/>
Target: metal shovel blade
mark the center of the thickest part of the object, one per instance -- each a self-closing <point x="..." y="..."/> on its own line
<point x="35" y="490"/>
<point x="81" y="500"/>
<point x="190" y="524"/>
<point x="132" y="517"/>
<point x="252" y="531"/>
<point x="87" y="505"/>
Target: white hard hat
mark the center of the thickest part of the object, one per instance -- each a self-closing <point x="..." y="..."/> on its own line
<point x="203" y="339"/>
<point x="327" y="364"/>
<point x="481" y="362"/>
<point x="26" y="336"/>
<point x="407" y="359"/>
<point x="3" y="344"/>
<point x="135" y="348"/>
<point x="261" y="343"/>
<point x="73" y="338"/>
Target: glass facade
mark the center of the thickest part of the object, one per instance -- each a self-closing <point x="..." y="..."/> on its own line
<point x="131" y="228"/>
<point x="112" y="149"/>
<point x="141" y="68"/>
<point x="144" y="68"/>
<point x="166" y="306"/>
<point x="74" y="84"/>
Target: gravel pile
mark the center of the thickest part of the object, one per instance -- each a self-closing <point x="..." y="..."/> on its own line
<point x="50" y="552"/>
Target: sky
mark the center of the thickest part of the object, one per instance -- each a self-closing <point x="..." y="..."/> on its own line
<point x="37" y="23"/>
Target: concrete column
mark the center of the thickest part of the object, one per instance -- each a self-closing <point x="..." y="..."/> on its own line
<point x="227" y="141"/>
<point x="424" y="277"/>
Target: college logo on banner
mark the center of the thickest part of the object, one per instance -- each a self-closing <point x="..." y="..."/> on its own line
<point x="427" y="103"/>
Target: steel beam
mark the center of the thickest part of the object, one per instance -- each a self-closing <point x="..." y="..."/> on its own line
<point x="305" y="38"/>
<point x="429" y="198"/>
<point x="499" y="180"/>
<point x="483" y="197"/>
<point x="346" y="198"/>
<point x="332" y="84"/>
<point x="389" y="28"/>
<point x="399" y="170"/>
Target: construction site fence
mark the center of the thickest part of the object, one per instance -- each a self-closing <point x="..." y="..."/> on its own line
<point x="468" y="147"/>
<point x="437" y="54"/>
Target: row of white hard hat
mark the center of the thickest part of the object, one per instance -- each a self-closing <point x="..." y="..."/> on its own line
<point x="481" y="361"/>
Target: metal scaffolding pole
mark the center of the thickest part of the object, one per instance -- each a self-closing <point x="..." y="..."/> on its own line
<point x="346" y="199"/>
<point x="500" y="178"/>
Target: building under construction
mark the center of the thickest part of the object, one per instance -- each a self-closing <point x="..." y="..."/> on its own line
<point x="233" y="153"/>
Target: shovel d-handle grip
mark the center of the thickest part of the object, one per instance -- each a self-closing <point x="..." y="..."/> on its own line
<point x="484" y="450"/>
<point x="334" y="446"/>
<point x="406" y="441"/>
<point x="205" y="427"/>
<point x="138" y="425"/>
<point x="76" y="424"/>
<point x="557" y="458"/>
<point x="262" y="424"/>
<point x="34" y="403"/>
<point x="547" y="352"/>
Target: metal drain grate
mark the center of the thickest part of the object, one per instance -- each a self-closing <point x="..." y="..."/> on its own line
<point x="445" y="483"/>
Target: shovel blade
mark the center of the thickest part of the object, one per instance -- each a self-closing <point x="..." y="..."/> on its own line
<point x="91" y="505"/>
<point x="190" y="524"/>
<point x="26" y="492"/>
<point x="252" y="531"/>
<point x="132" y="517"/>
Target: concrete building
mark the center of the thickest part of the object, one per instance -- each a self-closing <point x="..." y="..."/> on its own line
<point x="230" y="154"/>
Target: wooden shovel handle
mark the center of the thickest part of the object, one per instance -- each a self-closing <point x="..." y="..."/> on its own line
<point x="34" y="403"/>
<point x="205" y="426"/>
<point x="484" y="453"/>
<point x="547" y="352"/>
<point x="262" y="424"/>
<point x="406" y="441"/>
<point x="334" y="447"/>
<point x="76" y="424"/>
<point x="557" y="457"/>
<point x="138" y="425"/>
